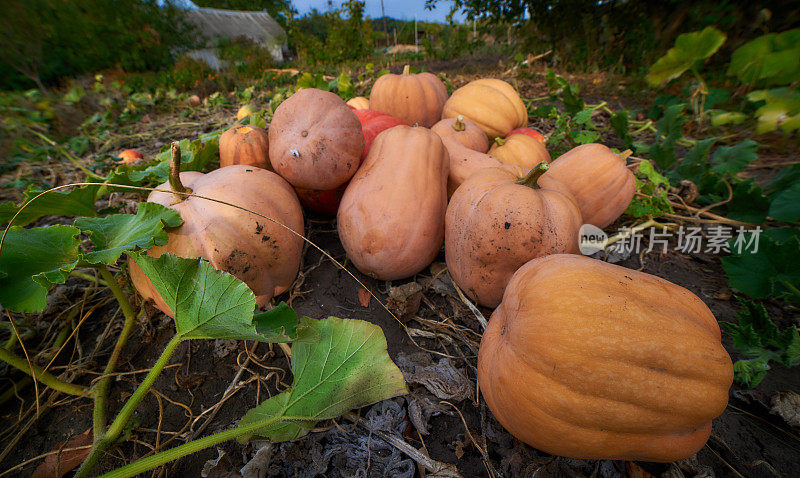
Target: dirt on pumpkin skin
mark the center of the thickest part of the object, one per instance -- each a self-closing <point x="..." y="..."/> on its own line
<point x="441" y="335"/>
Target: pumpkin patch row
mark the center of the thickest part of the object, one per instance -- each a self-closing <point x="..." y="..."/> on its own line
<point x="581" y="358"/>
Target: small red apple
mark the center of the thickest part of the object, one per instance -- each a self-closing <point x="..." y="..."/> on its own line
<point x="130" y="156"/>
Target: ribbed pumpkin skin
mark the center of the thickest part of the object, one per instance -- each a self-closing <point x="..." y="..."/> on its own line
<point x="599" y="180"/>
<point x="391" y="219"/>
<point x="415" y="99"/>
<point x="465" y="132"/>
<point x="493" y="226"/>
<point x="493" y="104"/>
<point x="244" y="144"/>
<point x="259" y="252"/>
<point x="327" y="202"/>
<point x="585" y="359"/>
<point x="520" y="150"/>
<point x="358" y="103"/>
<point x="315" y="140"/>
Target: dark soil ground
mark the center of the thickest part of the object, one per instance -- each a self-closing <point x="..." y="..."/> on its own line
<point x="436" y="331"/>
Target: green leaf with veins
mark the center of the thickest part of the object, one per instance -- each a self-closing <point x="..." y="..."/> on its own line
<point x="781" y="109"/>
<point x="733" y="159"/>
<point x="757" y="336"/>
<point x="207" y="303"/>
<point x="773" y="271"/>
<point x="76" y="202"/>
<point x="32" y="261"/>
<point x="786" y="205"/>
<point x="773" y="58"/>
<point x="347" y="367"/>
<point x="688" y="50"/>
<point x="116" y="234"/>
<point x="649" y="182"/>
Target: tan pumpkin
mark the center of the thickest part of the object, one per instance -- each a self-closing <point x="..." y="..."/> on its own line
<point x="589" y="360"/>
<point x="463" y="130"/>
<point x="519" y="150"/>
<point x="598" y="178"/>
<point x="465" y="162"/>
<point x="415" y="99"/>
<point x="358" y="103"/>
<point x="244" y="144"/>
<point x="257" y="251"/>
<point x="391" y="218"/>
<point x="497" y="221"/>
<point x="493" y="104"/>
<point x="315" y="140"/>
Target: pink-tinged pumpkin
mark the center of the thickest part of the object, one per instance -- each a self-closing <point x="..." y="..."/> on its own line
<point x="533" y="133"/>
<point x="257" y="251"/>
<point x="589" y="360"/>
<point x="413" y="98"/>
<point x="602" y="184"/>
<point x="315" y="140"/>
<point x="493" y="104"/>
<point x="463" y="130"/>
<point x="391" y="220"/>
<point x="327" y="202"/>
<point x="497" y="221"/>
<point x="244" y="144"/>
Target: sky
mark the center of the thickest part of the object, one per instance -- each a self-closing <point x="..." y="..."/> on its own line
<point x="401" y="9"/>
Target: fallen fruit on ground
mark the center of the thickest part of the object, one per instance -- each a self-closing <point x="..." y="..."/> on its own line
<point x="497" y="221"/>
<point x="589" y="360"/>
<point x="391" y="220"/>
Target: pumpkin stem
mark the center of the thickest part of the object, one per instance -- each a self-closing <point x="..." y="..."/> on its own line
<point x="406" y="70"/>
<point x="459" y="124"/>
<point x="533" y="175"/>
<point x="500" y="141"/>
<point x="175" y="172"/>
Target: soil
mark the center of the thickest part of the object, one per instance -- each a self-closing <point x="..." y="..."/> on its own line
<point x="747" y="440"/>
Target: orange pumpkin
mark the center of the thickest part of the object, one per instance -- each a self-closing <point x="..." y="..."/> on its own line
<point x="358" y="103"/>
<point x="415" y="99"/>
<point x="520" y="150"/>
<point x="463" y="130"/>
<point x="497" y="221"/>
<point x="258" y="252"/>
<point x="391" y="219"/>
<point x="244" y="144"/>
<point x="465" y="162"/>
<point x="493" y="104"/>
<point x="599" y="180"/>
<point x="589" y="360"/>
<point x="315" y="140"/>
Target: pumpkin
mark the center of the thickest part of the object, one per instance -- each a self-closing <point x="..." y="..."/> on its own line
<point x="493" y="104"/>
<point x="244" y="112"/>
<point x="415" y="99"/>
<point x="391" y="219"/>
<point x="244" y="144"/>
<point x="590" y="360"/>
<point x="315" y="140"/>
<point x="194" y="101"/>
<point x="327" y="201"/>
<point x="465" y="162"/>
<point x="533" y="133"/>
<point x="497" y="221"/>
<point x="130" y="156"/>
<point x="519" y="149"/>
<point x="463" y="130"/>
<point x="258" y="252"/>
<point x="599" y="180"/>
<point x="358" y="103"/>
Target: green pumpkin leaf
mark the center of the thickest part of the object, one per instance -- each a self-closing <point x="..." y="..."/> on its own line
<point x="772" y="271"/>
<point x="116" y="234"/>
<point x="721" y="118"/>
<point x="76" y="202"/>
<point x="32" y="261"/>
<point x="207" y="303"/>
<point x="786" y="205"/>
<point x="346" y="367"/>
<point x="732" y="159"/>
<point x="689" y="49"/>
<point x="773" y="58"/>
